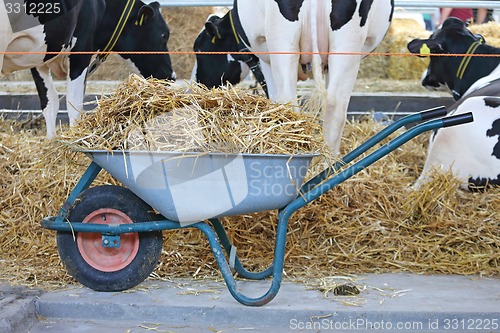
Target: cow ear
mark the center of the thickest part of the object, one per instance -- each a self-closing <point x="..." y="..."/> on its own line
<point x="213" y="30"/>
<point x="424" y="47"/>
<point x="145" y="15"/>
<point x="453" y="23"/>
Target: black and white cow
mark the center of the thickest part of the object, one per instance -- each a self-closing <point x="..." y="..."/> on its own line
<point x="33" y="32"/>
<point x="471" y="151"/>
<point x="286" y="33"/>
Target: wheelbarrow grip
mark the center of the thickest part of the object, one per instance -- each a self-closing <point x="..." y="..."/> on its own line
<point x="458" y="119"/>
<point x="436" y="112"/>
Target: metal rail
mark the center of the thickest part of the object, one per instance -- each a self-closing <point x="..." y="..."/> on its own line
<point x="419" y="4"/>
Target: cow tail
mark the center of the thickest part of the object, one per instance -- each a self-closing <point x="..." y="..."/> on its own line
<point x="318" y="99"/>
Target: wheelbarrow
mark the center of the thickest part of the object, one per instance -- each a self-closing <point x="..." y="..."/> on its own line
<point x="109" y="238"/>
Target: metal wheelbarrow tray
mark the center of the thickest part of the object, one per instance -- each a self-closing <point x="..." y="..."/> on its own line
<point x="109" y="238"/>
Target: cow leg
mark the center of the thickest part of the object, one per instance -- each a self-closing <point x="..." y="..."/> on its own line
<point x="268" y="75"/>
<point x="274" y="35"/>
<point x="49" y="100"/>
<point x="283" y="78"/>
<point x="281" y="69"/>
<point x="342" y="75"/>
<point x="444" y="156"/>
<point x="74" y="96"/>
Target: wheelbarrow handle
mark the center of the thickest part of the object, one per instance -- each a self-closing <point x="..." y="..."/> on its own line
<point x="458" y="119"/>
<point x="376" y="155"/>
<point x="428" y="114"/>
<point x="436" y="112"/>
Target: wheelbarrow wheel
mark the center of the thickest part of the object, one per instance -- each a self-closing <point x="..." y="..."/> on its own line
<point x="106" y="268"/>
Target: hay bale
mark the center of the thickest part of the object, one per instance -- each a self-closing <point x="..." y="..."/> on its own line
<point x="23" y="75"/>
<point x="397" y="66"/>
<point x="490" y="31"/>
<point x="375" y="66"/>
<point x="401" y="32"/>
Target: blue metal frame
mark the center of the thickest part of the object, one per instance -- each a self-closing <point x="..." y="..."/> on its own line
<point x="218" y="239"/>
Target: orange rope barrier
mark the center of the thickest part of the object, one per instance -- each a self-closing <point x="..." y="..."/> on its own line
<point x="256" y="53"/>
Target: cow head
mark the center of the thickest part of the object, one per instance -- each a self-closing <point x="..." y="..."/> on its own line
<point x="445" y="72"/>
<point x="214" y="70"/>
<point x="147" y="31"/>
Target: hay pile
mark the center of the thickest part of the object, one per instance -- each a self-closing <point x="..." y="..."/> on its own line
<point x="490" y="31"/>
<point x="370" y="223"/>
<point x="150" y="114"/>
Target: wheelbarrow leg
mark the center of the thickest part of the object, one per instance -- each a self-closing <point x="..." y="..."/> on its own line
<point x="87" y="178"/>
<point x="236" y="264"/>
<point x="276" y="268"/>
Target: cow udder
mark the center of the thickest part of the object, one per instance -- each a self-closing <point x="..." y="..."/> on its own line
<point x="320" y="20"/>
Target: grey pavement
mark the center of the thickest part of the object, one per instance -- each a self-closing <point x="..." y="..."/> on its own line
<point x="17" y="308"/>
<point x="386" y="302"/>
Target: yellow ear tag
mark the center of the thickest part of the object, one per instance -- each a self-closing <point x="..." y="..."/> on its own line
<point x="425" y="50"/>
<point x="214" y="39"/>
<point x="140" y="21"/>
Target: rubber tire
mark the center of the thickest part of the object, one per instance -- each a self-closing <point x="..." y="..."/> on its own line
<point x="150" y="243"/>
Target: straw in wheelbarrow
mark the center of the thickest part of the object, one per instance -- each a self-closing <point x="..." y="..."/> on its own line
<point x="150" y="114"/>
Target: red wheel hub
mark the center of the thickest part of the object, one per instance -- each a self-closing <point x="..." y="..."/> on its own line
<point x="107" y="259"/>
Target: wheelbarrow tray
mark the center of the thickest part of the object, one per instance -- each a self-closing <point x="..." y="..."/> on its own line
<point x="191" y="187"/>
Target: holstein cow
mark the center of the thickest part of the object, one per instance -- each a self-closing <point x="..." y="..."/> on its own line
<point x="471" y="151"/>
<point x="34" y="32"/>
<point x="286" y="33"/>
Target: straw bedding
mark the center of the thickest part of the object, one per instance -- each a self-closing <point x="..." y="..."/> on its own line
<point x="370" y="223"/>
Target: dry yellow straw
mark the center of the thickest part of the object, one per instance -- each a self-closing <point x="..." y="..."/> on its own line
<point x="150" y="114"/>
